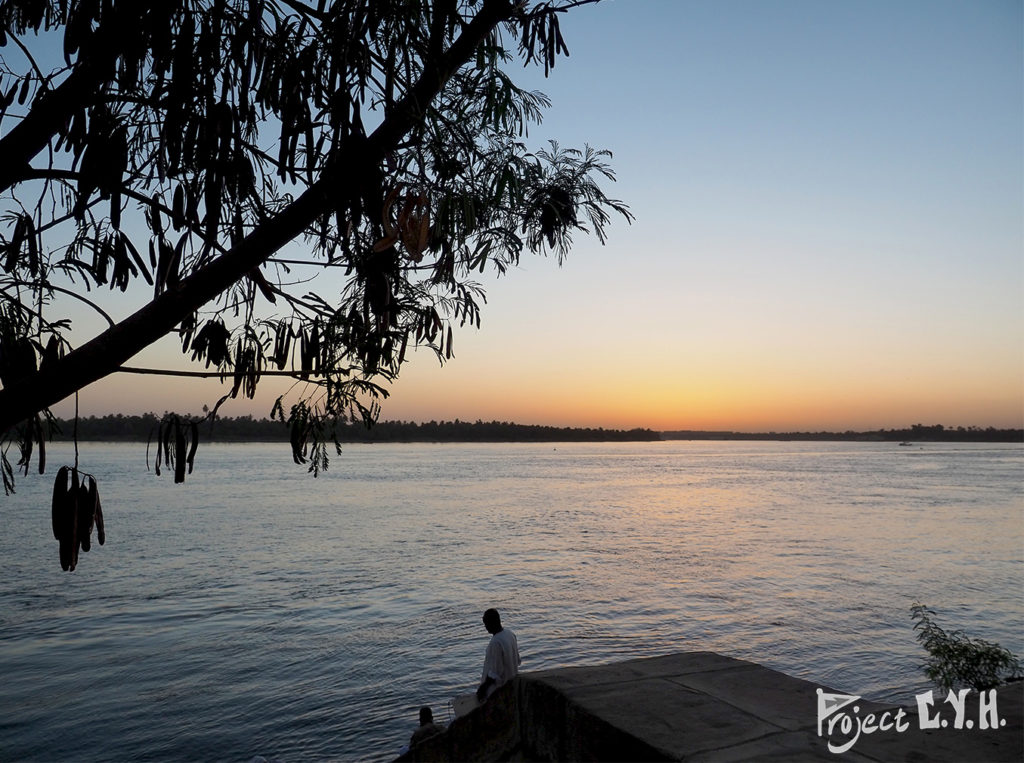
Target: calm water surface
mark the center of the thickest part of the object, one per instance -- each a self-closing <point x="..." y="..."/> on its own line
<point x="257" y="611"/>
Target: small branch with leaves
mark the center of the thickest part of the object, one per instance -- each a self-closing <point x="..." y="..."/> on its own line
<point x="957" y="660"/>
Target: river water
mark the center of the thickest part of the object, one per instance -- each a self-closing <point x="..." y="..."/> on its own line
<point x="256" y="611"/>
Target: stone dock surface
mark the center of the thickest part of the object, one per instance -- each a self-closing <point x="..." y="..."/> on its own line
<point x="703" y="706"/>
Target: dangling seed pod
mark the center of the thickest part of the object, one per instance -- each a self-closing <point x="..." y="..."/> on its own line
<point x="180" y="449"/>
<point x="86" y="512"/>
<point x="101" y="536"/>
<point x="69" y="525"/>
<point x="60" y="489"/>
<point x="176" y="445"/>
<point x="75" y="508"/>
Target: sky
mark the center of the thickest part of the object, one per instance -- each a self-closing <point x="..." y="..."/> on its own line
<point x="829" y="233"/>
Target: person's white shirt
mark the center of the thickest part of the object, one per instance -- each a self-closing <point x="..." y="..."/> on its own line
<point x="502" y="661"/>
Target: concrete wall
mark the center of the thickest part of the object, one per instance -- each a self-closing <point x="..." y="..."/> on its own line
<point x="528" y="720"/>
<point x="694" y="706"/>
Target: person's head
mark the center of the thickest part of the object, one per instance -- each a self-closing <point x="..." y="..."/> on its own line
<point x="426" y="716"/>
<point x="492" y="621"/>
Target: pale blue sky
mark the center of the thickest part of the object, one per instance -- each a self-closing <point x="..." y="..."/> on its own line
<point x="829" y="227"/>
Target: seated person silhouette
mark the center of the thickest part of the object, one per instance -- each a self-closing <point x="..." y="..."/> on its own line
<point x="427" y="727"/>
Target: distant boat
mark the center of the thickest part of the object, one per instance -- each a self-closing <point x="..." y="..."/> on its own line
<point x="903" y="444"/>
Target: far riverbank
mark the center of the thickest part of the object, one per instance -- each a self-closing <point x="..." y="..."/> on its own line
<point x="117" y="428"/>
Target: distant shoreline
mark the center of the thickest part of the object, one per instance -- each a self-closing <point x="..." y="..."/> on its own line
<point x="247" y="429"/>
<point x="912" y="435"/>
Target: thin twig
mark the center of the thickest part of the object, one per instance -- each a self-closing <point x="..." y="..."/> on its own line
<point x="213" y="374"/>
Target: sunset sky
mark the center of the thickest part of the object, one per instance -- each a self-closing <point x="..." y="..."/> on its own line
<point x="829" y="231"/>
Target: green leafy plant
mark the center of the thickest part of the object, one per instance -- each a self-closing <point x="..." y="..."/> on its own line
<point x="956" y="660"/>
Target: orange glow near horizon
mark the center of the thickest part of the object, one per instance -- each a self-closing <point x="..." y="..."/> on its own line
<point x="743" y="391"/>
<point x="502" y="373"/>
<point x="744" y="405"/>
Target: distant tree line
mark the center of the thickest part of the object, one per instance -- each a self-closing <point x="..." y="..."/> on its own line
<point x="117" y="427"/>
<point x="247" y="429"/>
<point x="915" y="433"/>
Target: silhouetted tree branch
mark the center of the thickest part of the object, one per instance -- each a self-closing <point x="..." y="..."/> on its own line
<point x="384" y="135"/>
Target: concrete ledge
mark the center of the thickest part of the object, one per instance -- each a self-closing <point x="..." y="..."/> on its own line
<point x="701" y="706"/>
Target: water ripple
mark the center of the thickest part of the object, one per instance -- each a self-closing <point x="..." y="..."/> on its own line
<point x="293" y="618"/>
